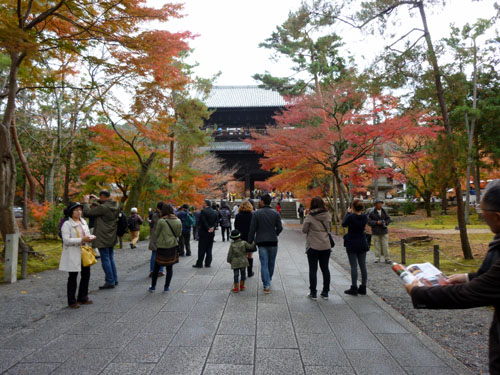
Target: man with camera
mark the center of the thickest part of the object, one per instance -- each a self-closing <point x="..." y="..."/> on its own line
<point x="106" y="216"/>
<point x="378" y="220"/>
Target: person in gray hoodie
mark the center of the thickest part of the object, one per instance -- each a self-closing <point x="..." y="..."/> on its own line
<point x="106" y="216"/>
<point x="264" y="231"/>
<point x="317" y="226"/>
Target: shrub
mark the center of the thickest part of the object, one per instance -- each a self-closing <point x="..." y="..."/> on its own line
<point x="47" y="215"/>
<point x="144" y="231"/>
<point x="409" y="207"/>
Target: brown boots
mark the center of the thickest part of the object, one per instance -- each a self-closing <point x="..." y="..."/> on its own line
<point x="237" y="288"/>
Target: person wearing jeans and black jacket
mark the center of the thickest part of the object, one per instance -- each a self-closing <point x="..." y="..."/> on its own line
<point x="264" y="231"/>
<point x="317" y="226"/>
<point x="356" y="246"/>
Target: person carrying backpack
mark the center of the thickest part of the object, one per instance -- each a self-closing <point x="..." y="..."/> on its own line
<point x="106" y="223"/>
<point x="122" y="224"/>
<point x="134" y="224"/>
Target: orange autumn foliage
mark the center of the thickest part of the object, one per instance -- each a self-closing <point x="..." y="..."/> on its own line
<point x="39" y="210"/>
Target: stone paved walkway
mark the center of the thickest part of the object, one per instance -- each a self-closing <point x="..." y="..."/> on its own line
<point x="201" y="328"/>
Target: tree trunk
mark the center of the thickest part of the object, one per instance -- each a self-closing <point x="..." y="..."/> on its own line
<point x="335" y="205"/>
<point x="444" y="200"/>
<point x="25" y="203"/>
<point x="343" y="195"/>
<point x="477" y="180"/>
<point x="427" y="202"/>
<point x="67" y="172"/>
<point x="50" y="176"/>
<point x="466" y="249"/>
<point x="22" y="159"/>
<point x="470" y="129"/>
<point x="49" y="183"/>
<point x="137" y="187"/>
<point x="171" y="161"/>
<point x="8" y="223"/>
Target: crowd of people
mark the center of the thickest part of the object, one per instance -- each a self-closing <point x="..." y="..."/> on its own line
<point x="258" y="231"/>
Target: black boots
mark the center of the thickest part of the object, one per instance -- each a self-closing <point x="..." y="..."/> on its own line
<point x="250" y="267"/>
<point x="353" y="291"/>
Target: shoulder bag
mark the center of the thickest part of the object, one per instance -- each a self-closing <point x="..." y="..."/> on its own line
<point x="332" y="242"/>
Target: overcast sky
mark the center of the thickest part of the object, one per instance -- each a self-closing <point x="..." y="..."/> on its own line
<point x="230" y="31"/>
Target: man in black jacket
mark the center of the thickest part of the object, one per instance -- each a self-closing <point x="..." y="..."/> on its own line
<point x="481" y="288"/>
<point x="378" y="220"/>
<point x="264" y="231"/>
<point x="208" y="222"/>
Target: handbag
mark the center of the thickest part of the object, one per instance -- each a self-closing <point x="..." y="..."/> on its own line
<point x="88" y="256"/>
<point x="332" y="242"/>
<point x="88" y="253"/>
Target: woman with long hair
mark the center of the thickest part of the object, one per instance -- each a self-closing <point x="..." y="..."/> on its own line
<point x="317" y="226"/>
<point x="167" y="232"/>
<point x="242" y="224"/>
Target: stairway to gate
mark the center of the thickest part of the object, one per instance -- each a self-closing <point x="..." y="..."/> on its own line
<point x="288" y="208"/>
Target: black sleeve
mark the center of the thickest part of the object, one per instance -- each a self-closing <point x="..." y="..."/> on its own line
<point x="346" y="220"/>
<point x="371" y="220"/>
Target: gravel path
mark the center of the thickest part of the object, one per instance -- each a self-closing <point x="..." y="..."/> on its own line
<point x="43" y="293"/>
<point x="464" y="333"/>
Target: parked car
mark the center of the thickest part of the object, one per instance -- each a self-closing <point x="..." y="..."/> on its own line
<point x="18" y="211"/>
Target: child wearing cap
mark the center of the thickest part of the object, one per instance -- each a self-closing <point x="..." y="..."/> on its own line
<point x="237" y="257"/>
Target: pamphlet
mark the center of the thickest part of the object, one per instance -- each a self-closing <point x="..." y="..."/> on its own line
<point x="425" y="273"/>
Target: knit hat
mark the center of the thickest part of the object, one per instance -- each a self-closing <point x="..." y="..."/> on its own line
<point x="133" y="210"/>
<point x="235" y="234"/>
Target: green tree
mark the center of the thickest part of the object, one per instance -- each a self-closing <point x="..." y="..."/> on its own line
<point x="305" y="39"/>
<point x="381" y="11"/>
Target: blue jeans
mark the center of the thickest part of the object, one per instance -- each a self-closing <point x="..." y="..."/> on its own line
<point x="354" y="260"/>
<point x="152" y="262"/>
<point x="267" y="256"/>
<point x="108" y="265"/>
<point x="237" y="272"/>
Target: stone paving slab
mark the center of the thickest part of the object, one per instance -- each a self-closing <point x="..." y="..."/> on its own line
<point x="200" y="327"/>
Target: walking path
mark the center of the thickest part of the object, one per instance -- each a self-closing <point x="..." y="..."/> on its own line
<point x="199" y="327"/>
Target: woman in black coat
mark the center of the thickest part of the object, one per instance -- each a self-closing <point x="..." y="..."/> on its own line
<point x="475" y="289"/>
<point x="242" y="223"/>
<point x="356" y="246"/>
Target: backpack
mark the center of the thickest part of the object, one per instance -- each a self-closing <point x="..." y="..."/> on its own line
<point x="191" y="220"/>
<point x="122" y="226"/>
<point x="131" y="222"/>
<point x="61" y="223"/>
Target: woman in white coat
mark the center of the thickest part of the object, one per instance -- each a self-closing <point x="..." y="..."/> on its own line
<point x="75" y="233"/>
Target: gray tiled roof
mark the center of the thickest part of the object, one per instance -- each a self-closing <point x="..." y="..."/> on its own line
<point x="229" y="146"/>
<point x="243" y="96"/>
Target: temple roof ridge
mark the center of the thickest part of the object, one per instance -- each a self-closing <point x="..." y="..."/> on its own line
<point x="243" y="96"/>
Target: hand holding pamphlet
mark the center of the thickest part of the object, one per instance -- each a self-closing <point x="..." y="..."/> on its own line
<point x="425" y="273"/>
